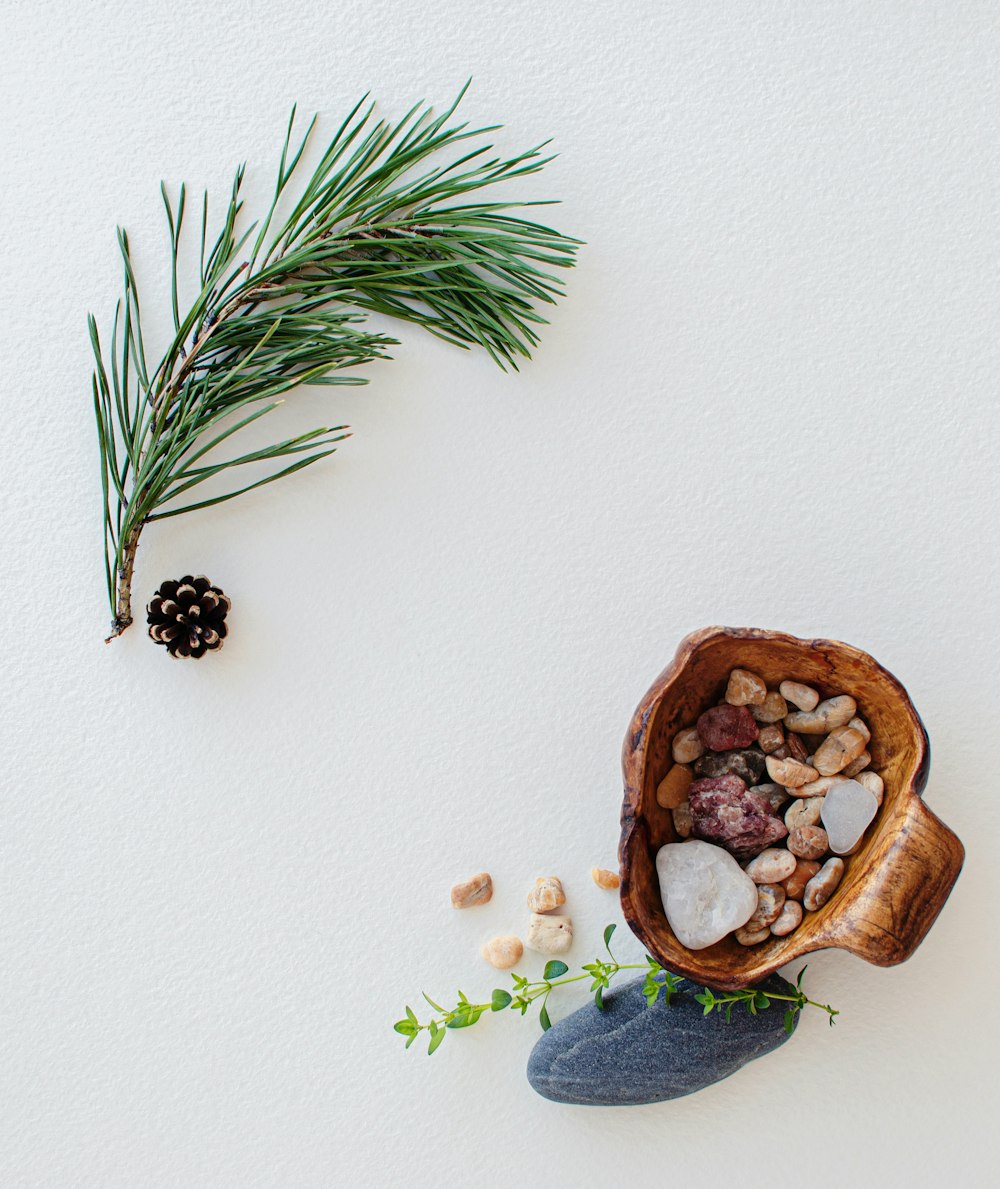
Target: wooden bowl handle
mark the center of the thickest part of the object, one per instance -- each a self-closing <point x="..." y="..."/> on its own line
<point x="887" y="914"/>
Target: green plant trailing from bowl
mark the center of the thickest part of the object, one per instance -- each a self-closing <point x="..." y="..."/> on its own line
<point x="389" y="222"/>
<point x="658" y="981"/>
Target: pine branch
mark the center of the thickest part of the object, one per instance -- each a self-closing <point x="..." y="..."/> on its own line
<point x="387" y="224"/>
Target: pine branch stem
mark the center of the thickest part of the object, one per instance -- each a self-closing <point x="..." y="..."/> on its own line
<point x="123" y="588"/>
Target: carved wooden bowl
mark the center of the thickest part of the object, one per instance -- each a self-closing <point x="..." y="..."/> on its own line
<point x="894" y="885"/>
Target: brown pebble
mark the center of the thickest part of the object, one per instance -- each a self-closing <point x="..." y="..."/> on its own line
<point x="546" y="894"/>
<point x="771" y="738"/>
<point x="683" y="821"/>
<point x="873" y="783"/>
<point x="469" y="893"/>
<point x="823" y="884"/>
<point x="788" y="920"/>
<point x="604" y="878"/>
<point x="834" y="712"/>
<point x="856" y="766"/>
<point x="772" y="709"/>
<point x="771" y="865"/>
<point x="745" y="688"/>
<point x="803" y="696"/>
<point x="673" y="788"/>
<point x="747" y="936"/>
<point x="503" y="952"/>
<point x="808" y="842"/>
<point x="804" y="812"/>
<point x="796" y="748"/>
<point x="790" y="773"/>
<point x="770" y="898"/>
<point x="687" y="747"/>
<point x="838" y="750"/>
<point x="795" y="884"/>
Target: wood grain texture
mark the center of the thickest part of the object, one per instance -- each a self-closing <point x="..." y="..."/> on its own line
<point x="893" y="887"/>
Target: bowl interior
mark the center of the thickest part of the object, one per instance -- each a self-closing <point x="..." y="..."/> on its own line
<point x="698" y="680"/>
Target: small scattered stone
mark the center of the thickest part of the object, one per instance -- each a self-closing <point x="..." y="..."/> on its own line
<point x="503" y="952"/>
<point x="477" y="890"/>
<point x="549" y="934"/>
<point x="705" y="893"/>
<point x="745" y="688"/>
<point x="823" y="884"/>
<point x="856" y="766"/>
<point x="771" y="866"/>
<point x="605" y="879"/>
<point x="770" y="898"/>
<point x="687" y="746"/>
<point x="834" y="712"/>
<point x="775" y="794"/>
<point x="806" y="811"/>
<point x="795" y="884"/>
<point x="848" y="810"/>
<point x="796" y="748"/>
<point x="747" y="936"/>
<point x="724" y="811"/>
<point x="820" y="787"/>
<point x="673" y="788"/>
<point x="771" y="738"/>
<point x="724" y="727"/>
<point x="773" y="709"/>
<point x="631" y="1053"/>
<point x="808" y="842"/>
<point x="546" y="894"/>
<point x="873" y="783"/>
<point x="790" y="773"/>
<point x="788" y="920"/>
<point x="838" y="750"/>
<point x="803" y="696"/>
<point x="745" y="762"/>
<point x="682" y="820"/>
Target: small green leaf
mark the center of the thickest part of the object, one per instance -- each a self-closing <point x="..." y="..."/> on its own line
<point x="789" y="1021"/>
<point x="599" y="998"/>
<point x="411" y="1016"/>
<point x="436" y="1006"/>
<point x="543" y="1019"/>
<point x="410" y="1040"/>
<point x="405" y="1028"/>
<point x="554" y="969"/>
<point x="762" y="1000"/>
<point x="608" y="934"/>
<point x="436" y="1040"/>
<point x="500" y="1000"/>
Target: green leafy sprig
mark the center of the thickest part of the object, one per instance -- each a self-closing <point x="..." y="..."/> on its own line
<point x="658" y="981"/>
<point x="389" y="222"/>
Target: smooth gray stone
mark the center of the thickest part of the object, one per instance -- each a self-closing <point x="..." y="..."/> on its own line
<point x="631" y="1054"/>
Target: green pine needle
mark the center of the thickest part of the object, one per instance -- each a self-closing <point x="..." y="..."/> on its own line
<point x="391" y="221"/>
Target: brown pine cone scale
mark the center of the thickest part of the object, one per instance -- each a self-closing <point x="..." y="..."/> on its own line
<point x="188" y="616"/>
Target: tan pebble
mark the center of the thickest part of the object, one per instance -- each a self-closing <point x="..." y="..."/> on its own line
<point x="795" y="884"/>
<point x="858" y="765"/>
<point x="803" y="812"/>
<point x="790" y="773"/>
<point x="673" y="788"/>
<point x="775" y="794"/>
<point x="604" y="878"/>
<point x="771" y="738"/>
<point x="503" y="952"/>
<point x="477" y="890"/>
<point x="546" y="894"/>
<point x="838" y="750"/>
<point x="820" y="787"/>
<point x="687" y="746"/>
<point x="770" y="898"/>
<point x="549" y="934"/>
<point x="828" y="715"/>
<point x="772" y="709"/>
<point x="859" y="724"/>
<point x="788" y="920"/>
<point x="771" y="865"/>
<point x="796" y="748"/>
<point x="803" y="696"/>
<point x="808" y="842"/>
<point x="873" y="783"/>
<point x="683" y="821"/>
<point x="823" y="884"/>
<point x="745" y="689"/>
<point x="747" y="936"/>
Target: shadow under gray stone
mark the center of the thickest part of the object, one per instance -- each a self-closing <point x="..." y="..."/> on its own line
<point x="631" y="1054"/>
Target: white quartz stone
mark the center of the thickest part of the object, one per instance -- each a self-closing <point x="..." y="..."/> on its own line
<point x="848" y="810"/>
<point x="706" y="894"/>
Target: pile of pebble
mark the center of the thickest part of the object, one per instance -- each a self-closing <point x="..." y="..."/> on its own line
<point x="753" y="862"/>
<point x="548" y="932"/>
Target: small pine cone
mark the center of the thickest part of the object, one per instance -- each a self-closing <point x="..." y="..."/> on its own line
<point x="188" y="617"/>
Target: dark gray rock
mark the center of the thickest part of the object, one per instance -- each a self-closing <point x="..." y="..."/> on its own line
<point x="747" y="764"/>
<point x="631" y="1054"/>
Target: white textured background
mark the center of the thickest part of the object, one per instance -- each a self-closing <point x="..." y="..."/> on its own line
<point x="769" y="399"/>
